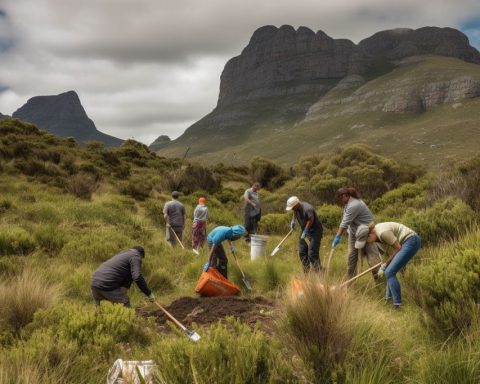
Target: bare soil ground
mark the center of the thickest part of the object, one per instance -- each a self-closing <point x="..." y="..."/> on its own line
<point x="208" y="310"/>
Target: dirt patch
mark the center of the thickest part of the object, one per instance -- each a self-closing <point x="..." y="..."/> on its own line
<point x="208" y="310"/>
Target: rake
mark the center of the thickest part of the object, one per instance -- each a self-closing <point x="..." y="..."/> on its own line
<point x="192" y="335"/>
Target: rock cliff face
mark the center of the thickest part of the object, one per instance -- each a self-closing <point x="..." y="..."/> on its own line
<point x="63" y="115"/>
<point x="284" y="61"/>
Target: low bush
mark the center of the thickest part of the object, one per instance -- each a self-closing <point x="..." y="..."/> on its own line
<point x="50" y="238"/>
<point x="230" y="353"/>
<point x="15" y="241"/>
<point x="137" y="187"/>
<point x="447" y="284"/>
<point x="330" y="216"/>
<point x="267" y="173"/>
<point x="444" y="220"/>
<point x="275" y="223"/>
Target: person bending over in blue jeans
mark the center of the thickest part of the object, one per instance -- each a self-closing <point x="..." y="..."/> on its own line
<point x="395" y="241"/>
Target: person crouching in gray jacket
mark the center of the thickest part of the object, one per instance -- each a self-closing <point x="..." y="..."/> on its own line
<point x="114" y="277"/>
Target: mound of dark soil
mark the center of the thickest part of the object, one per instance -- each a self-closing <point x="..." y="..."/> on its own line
<point x="208" y="310"/>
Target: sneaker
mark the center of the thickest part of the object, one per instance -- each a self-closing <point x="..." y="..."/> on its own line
<point x="396" y="306"/>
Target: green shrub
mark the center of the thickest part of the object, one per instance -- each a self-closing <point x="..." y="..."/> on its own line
<point x="330" y="216"/>
<point x="275" y="223"/>
<point x="15" y="241"/>
<point x="447" y="283"/>
<point x="444" y="220"/>
<point x="137" y="187"/>
<point x="230" y="353"/>
<point x="5" y="205"/>
<point x="50" y="238"/>
<point x="267" y="173"/>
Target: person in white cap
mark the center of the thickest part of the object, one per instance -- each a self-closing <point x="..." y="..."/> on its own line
<point x="398" y="243"/>
<point x="311" y="229"/>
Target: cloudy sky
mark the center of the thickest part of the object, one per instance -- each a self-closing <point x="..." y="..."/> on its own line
<point x="143" y="68"/>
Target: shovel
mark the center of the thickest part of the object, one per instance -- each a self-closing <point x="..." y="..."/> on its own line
<point x="357" y="276"/>
<point x="277" y="248"/>
<point x="176" y="237"/>
<point x="192" y="335"/>
<point x="244" y="278"/>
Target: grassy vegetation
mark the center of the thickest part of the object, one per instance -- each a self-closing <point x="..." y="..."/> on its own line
<point x="52" y="238"/>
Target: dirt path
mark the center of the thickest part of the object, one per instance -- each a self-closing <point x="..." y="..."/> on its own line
<point x="208" y="310"/>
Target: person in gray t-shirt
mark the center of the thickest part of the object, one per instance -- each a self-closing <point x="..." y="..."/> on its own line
<point x="252" y="210"/>
<point x="174" y="215"/>
<point x="355" y="213"/>
<point x="199" y="225"/>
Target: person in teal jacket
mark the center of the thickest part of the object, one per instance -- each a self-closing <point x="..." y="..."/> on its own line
<point x="217" y="257"/>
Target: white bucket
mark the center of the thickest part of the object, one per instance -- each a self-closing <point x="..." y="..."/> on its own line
<point x="258" y="246"/>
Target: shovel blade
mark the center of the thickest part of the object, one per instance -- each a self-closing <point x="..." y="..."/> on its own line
<point x="277" y="248"/>
<point x="196" y="252"/>
<point x="247" y="283"/>
<point x="194" y="336"/>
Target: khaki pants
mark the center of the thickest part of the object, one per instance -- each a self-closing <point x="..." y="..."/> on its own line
<point x="370" y="250"/>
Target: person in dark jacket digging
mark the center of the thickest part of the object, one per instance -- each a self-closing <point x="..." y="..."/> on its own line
<point x="311" y="229"/>
<point x="217" y="258"/>
<point x="113" y="278"/>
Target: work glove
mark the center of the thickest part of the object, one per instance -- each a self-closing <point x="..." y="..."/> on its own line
<point x="151" y="297"/>
<point x="232" y="248"/>
<point x="336" y="241"/>
<point x="381" y="271"/>
<point x="292" y="224"/>
<point x="304" y="233"/>
<point x="168" y="225"/>
<point x="206" y="266"/>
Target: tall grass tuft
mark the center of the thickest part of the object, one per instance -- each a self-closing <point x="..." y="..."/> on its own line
<point x="22" y="296"/>
<point x="316" y="327"/>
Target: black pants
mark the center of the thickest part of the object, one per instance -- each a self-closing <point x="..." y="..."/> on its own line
<point x="219" y="260"/>
<point x="251" y="222"/>
<point x="309" y="253"/>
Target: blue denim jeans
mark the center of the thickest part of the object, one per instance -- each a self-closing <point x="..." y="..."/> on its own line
<point x="309" y="253"/>
<point x="408" y="250"/>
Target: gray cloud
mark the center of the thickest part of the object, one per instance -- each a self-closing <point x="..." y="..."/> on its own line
<point x="149" y="67"/>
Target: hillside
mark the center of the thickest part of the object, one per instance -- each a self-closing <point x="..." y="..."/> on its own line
<point x="65" y="209"/>
<point x="418" y="88"/>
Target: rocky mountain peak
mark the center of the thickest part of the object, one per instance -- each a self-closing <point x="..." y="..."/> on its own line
<point x="63" y="115"/>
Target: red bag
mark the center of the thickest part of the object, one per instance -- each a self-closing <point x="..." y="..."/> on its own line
<point x="212" y="283"/>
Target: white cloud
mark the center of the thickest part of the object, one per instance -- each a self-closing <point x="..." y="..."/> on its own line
<point x="148" y="67"/>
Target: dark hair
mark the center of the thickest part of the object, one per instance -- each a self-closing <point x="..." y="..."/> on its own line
<point x="139" y="249"/>
<point x="256" y="185"/>
<point x="348" y="191"/>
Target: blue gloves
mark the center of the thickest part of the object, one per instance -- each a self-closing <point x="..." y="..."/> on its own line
<point x="304" y="233"/>
<point x="232" y="248"/>
<point x="336" y="241"/>
<point x="206" y="266"/>
<point x="292" y="224"/>
<point x="381" y="271"/>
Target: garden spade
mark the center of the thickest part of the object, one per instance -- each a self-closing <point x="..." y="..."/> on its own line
<point x="244" y="278"/>
<point x="176" y="237"/>
<point x="277" y="248"/>
<point x="192" y="335"/>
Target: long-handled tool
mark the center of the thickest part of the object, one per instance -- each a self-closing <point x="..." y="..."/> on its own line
<point x="330" y="254"/>
<point x="192" y="335"/>
<point x="359" y="275"/>
<point x="277" y="248"/>
<point x="244" y="278"/>
<point x="176" y="237"/>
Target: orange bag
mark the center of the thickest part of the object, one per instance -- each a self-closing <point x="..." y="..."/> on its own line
<point x="212" y="283"/>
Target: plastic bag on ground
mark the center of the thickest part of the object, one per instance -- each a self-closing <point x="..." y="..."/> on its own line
<point x="135" y="372"/>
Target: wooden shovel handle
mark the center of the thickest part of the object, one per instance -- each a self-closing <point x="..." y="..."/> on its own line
<point x="360" y="275"/>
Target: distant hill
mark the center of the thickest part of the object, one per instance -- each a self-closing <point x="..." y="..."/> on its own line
<point x="409" y="93"/>
<point x="63" y="115"/>
<point x="160" y="142"/>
